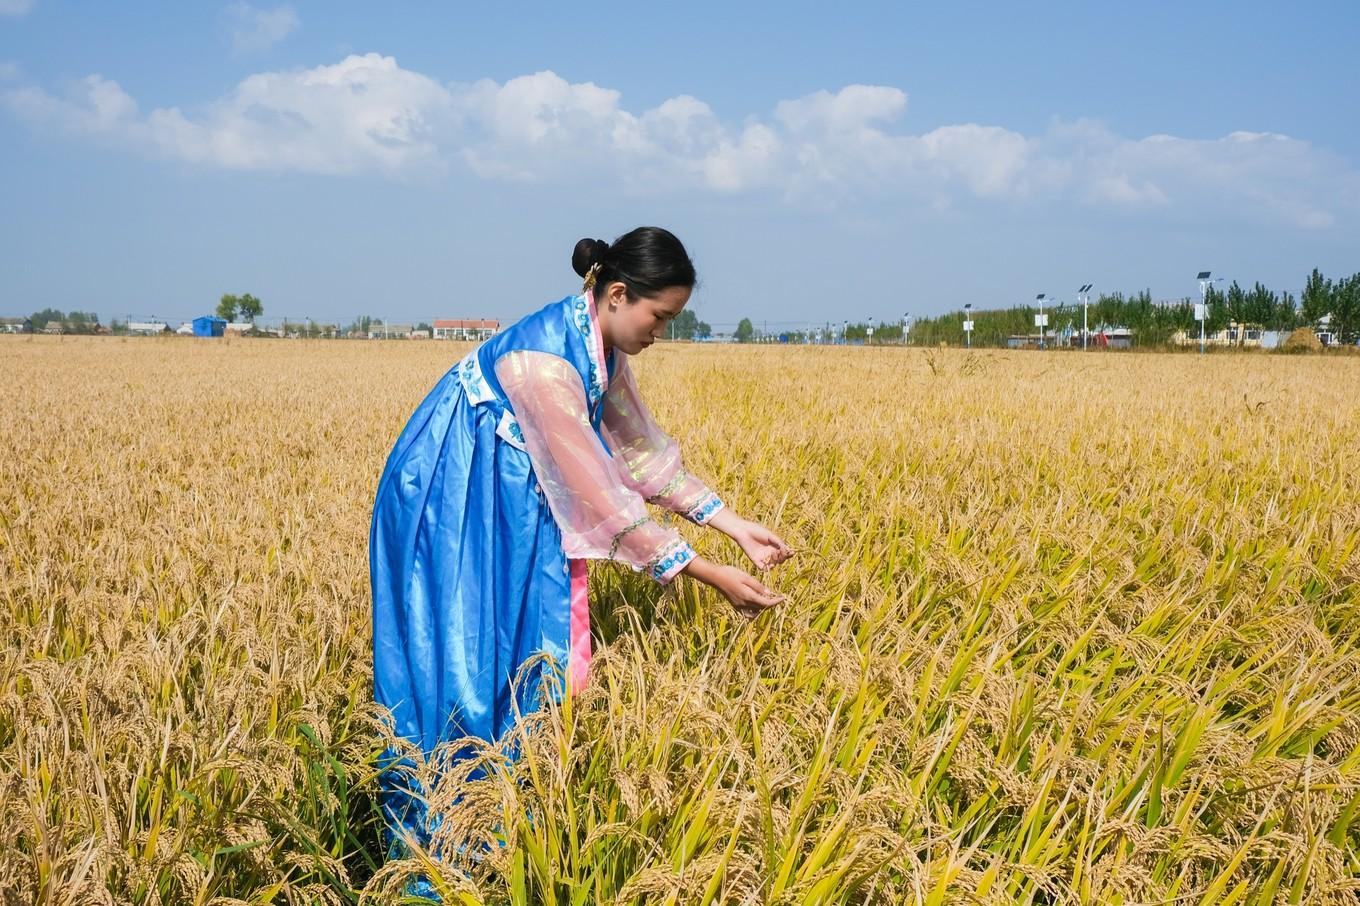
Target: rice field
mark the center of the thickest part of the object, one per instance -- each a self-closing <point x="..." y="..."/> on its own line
<point x="1062" y="628"/>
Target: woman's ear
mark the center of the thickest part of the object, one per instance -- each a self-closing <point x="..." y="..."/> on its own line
<point x="615" y="294"/>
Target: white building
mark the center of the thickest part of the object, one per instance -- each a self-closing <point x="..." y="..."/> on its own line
<point x="464" y="329"/>
<point x="150" y="327"/>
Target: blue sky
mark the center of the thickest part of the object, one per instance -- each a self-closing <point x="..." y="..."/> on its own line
<point x="427" y="160"/>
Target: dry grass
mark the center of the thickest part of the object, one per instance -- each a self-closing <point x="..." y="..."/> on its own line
<point x="1063" y="629"/>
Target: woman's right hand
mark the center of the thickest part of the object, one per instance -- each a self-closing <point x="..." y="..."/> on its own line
<point x="748" y="595"/>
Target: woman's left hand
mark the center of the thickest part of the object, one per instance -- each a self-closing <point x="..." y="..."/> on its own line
<point x="764" y="548"/>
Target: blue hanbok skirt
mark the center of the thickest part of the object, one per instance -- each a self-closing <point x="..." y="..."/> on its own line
<point x="469" y="581"/>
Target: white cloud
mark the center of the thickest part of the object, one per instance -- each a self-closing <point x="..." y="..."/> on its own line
<point x="366" y="113"/>
<point x="9" y="71"/>
<point x="15" y="8"/>
<point x="250" y="29"/>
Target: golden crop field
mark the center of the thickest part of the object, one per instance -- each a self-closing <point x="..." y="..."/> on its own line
<point x="1062" y="628"/>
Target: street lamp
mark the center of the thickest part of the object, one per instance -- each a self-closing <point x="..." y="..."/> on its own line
<point x="1202" y="309"/>
<point x="1041" y="319"/>
<point x="968" y="323"/>
<point x="906" y="317"/>
<point x="1084" y="294"/>
<point x="869" y="332"/>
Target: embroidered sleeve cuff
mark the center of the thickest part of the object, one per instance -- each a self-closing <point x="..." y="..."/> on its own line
<point x="705" y="509"/>
<point x="672" y="559"/>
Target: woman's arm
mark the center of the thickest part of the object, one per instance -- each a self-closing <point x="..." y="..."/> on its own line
<point x="650" y="463"/>
<point x="599" y="516"/>
<point x="649" y="460"/>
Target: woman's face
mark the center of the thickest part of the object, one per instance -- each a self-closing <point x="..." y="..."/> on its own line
<point x="633" y="326"/>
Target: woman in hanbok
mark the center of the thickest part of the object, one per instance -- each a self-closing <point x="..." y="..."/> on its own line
<point x="532" y="455"/>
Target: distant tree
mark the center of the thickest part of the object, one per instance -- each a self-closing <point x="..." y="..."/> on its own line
<point x="227" y="307"/>
<point x="684" y="326"/>
<point x="1316" y="301"/>
<point x="82" y="321"/>
<point x="1108" y="311"/>
<point x="687" y="326"/>
<point x="249" y="307"/>
<point x="745" y="332"/>
<point x="1236" y="302"/>
<point x="1286" y="316"/>
<point x="1346" y="309"/>
<point x="40" y="319"/>
<point x="1260" y="305"/>
<point x="1140" y="317"/>
<point x="883" y="333"/>
<point x="1218" y="310"/>
<point x="426" y="327"/>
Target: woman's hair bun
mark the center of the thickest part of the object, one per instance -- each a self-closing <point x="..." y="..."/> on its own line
<point x="588" y="252"/>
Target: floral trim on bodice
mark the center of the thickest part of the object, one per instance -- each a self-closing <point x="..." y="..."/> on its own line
<point x="474" y="382"/>
<point x="509" y="431"/>
<point x="479" y="391"/>
<point x="587" y="322"/>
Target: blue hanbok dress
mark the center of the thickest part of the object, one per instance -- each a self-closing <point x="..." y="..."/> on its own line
<point x="531" y="455"/>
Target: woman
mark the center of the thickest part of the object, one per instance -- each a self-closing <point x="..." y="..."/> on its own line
<point x="532" y="455"/>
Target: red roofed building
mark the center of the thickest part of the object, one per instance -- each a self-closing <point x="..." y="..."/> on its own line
<point x="464" y="329"/>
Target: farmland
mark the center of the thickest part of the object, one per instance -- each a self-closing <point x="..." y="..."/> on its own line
<point x="1062" y="628"/>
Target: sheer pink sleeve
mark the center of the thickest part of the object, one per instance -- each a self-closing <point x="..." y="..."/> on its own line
<point x="600" y="517"/>
<point x="648" y="459"/>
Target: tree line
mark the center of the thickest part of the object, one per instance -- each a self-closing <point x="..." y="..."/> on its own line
<point x="69" y="322"/>
<point x="1335" y="303"/>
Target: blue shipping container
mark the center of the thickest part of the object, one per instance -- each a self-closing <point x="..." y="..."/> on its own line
<point x="208" y="326"/>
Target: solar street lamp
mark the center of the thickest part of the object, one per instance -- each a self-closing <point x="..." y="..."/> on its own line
<point x="1041" y="319"/>
<point x="1085" y="295"/>
<point x="968" y="324"/>
<point x="1202" y="309"/>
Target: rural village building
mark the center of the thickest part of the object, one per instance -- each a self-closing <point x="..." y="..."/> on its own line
<point x="1246" y="336"/>
<point x="147" y="327"/>
<point x="459" y="329"/>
